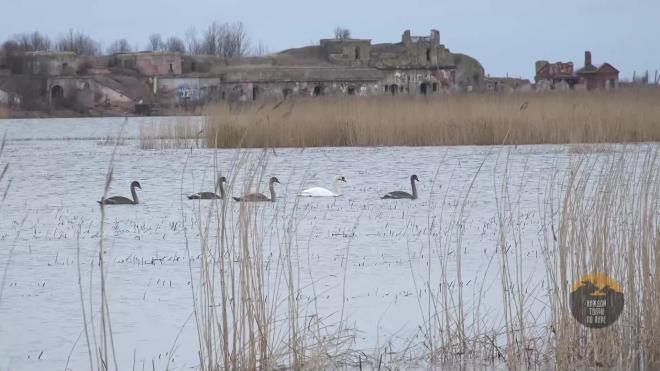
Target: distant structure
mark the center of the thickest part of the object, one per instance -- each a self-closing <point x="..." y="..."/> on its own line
<point x="604" y="76"/>
<point x="415" y="66"/>
<point x="507" y="85"/>
<point x="560" y="75"/>
<point x="557" y="75"/>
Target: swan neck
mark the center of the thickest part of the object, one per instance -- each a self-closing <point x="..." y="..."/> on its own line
<point x="222" y="189"/>
<point x="336" y="187"/>
<point x="134" y="194"/>
<point x="414" y="188"/>
<point x="272" y="191"/>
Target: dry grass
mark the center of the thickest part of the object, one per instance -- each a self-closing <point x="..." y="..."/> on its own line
<point x="626" y="115"/>
<point x="185" y="132"/>
<point x="246" y="304"/>
<point x="608" y="222"/>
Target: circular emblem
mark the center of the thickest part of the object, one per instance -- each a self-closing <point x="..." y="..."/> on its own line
<point x="596" y="300"/>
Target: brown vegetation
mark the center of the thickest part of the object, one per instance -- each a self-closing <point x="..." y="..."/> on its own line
<point x="627" y="115"/>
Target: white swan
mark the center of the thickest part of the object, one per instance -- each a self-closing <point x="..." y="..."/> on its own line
<point x="322" y="192"/>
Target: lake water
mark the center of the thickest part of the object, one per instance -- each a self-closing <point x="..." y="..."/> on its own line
<point x="372" y="255"/>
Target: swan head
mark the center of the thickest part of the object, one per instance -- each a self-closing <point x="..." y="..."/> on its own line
<point x="136" y="184"/>
<point x="222" y="179"/>
<point x="414" y="177"/>
<point x="274" y="180"/>
<point x="340" y="178"/>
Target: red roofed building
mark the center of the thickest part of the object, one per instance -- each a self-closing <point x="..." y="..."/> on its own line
<point x="604" y="76"/>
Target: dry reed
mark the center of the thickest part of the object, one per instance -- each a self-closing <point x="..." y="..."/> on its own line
<point x="626" y="115"/>
<point x="607" y="223"/>
<point x="185" y="132"/>
<point x="246" y="304"/>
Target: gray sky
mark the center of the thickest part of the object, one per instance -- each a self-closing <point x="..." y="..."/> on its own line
<point x="506" y="36"/>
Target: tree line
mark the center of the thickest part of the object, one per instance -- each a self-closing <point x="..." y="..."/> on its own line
<point x="219" y="39"/>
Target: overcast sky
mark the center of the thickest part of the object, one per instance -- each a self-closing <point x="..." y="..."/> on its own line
<point x="506" y="36"/>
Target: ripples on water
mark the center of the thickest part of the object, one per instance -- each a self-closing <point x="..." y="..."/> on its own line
<point x="56" y="181"/>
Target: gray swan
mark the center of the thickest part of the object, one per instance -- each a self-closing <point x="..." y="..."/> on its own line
<point x="402" y="194"/>
<point x="211" y="195"/>
<point x="260" y="197"/>
<point x="121" y="200"/>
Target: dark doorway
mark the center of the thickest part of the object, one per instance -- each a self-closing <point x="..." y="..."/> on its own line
<point x="424" y="88"/>
<point x="351" y="90"/>
<point x="255" y="92"/>
<point x="286" y="92"/>
<point x="56" y="92"/>
<point x="394" y="89"/>
<point x="171" y="68"/>
<point x="357" y="53"/>
<point x="428" y="55"/>
<point x="318" y="91"/>
<point x="435" y="87"/>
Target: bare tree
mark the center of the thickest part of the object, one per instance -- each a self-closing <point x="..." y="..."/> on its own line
<point x="120" y="46"/>
<point x="28" y="42"/>
<point x="193" y="44"/>
<point x="156" y="42"/>
<point x="78" y="43"/>
<point x="174" y="44"/>
<point x="342" y="33"/>
<point x="212" y="39"/>
<point x="225" y="40"/>
<point x="11" y="47"/>
<point x="260" y="49"/>
<point x="235" y="42"/>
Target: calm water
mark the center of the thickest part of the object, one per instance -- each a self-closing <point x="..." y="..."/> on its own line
<point x="57" y="171"/>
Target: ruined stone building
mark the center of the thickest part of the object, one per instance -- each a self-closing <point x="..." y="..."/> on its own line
<point x="560" y="76"/>
<point x="417" y="65"/>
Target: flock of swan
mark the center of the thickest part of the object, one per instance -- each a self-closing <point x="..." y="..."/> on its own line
<point x="260" y="197"/>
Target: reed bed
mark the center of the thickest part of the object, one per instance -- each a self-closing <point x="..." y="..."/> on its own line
<point x="185" y="132"/>
<point x="625" y="115"/>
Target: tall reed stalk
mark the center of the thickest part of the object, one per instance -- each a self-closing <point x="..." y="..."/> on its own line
<point x="247" y="305"/>
<point x="607" y="222"/>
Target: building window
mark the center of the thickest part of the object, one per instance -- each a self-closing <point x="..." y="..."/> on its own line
<point x="387" y="88"/>
<point x="424" y="88"/>
<point x="287" y="92"/>
<point x="435" y="87"/>
<point x="357" y="53"/>
<point x="171" y="67"/>
<point x="255" y="92"/>
<point x="351" y="90"/>
<point x="56" y="94"/>
<point x="428" y="55"/>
